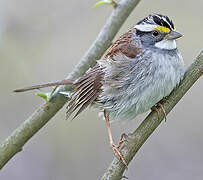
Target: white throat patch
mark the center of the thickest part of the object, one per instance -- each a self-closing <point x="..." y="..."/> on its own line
<point x="166" y="44"/>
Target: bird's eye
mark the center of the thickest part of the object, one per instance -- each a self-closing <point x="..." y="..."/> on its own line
<point x="155" y="33"/>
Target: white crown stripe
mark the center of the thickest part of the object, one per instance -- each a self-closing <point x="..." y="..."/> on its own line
<point x="145" y="27"/>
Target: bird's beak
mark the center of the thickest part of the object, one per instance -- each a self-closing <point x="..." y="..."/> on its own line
<point x="173" y="35"/>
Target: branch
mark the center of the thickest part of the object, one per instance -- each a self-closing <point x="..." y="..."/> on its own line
<point x="15" y="142"/>
<point x="147" y="127"/>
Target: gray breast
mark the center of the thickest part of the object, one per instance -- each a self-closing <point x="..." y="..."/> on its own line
<point x="133" y="86"/>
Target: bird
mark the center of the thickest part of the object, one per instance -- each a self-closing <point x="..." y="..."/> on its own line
<point x="137" y="71"/>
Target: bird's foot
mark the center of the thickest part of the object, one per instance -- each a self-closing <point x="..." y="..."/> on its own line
<point x="155" y="108"/>
<point x="163" y="110"/>
<point x="117" y="153"/>
<point x="124" y="137"/>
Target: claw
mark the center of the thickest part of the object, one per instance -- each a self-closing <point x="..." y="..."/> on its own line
<point x="163" y="110"/>
<point x="118" y="154"/>
<point x="121" y="141"/>
<point x="154" y="108"/>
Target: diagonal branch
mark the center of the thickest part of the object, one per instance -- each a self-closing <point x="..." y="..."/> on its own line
<point x="15" y="142"/>
<point x="148" y="126"/>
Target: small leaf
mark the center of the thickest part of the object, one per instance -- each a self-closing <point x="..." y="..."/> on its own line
<point x="103" y="2"/>
<point x="42" y="95"/>
<point x="52" y="92"/>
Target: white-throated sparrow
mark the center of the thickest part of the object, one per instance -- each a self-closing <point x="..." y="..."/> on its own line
<point x="137" y="71"/>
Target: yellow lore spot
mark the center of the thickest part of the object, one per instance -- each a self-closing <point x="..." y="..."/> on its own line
<point x="163" y="29"/>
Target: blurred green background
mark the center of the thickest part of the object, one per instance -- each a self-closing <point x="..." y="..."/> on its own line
<point x="42" y="41"/>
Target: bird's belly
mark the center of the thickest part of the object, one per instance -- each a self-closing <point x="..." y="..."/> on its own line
<point x="139" y="100"/>
<point x="132" y="105"/>
<point x="129" y="106"/>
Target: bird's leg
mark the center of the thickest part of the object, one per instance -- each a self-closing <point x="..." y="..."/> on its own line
<point x="115" y="149"/>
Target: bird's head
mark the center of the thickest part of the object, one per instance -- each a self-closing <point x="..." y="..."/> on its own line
<point x="158" y="31"/>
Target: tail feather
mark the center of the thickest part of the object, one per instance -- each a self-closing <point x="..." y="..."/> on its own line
<point x="57" y="83"/>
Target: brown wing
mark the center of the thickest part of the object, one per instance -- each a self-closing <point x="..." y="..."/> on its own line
<point x="124" y="45"/>
<point x="87" y="88"/>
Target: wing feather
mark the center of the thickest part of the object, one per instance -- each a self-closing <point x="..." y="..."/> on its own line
<point x="87" y="89"/>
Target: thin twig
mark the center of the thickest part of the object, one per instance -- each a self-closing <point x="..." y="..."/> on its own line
<point x="147" y="127"/>
<point x="15" y="142"/>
